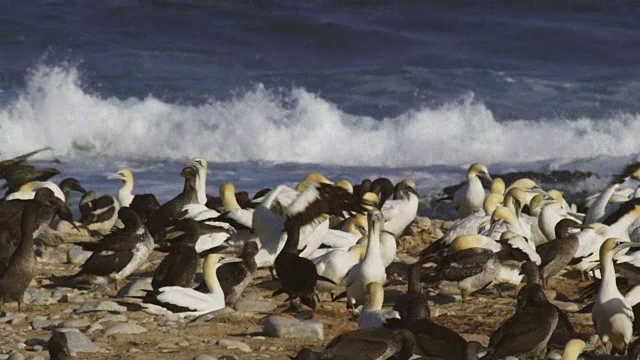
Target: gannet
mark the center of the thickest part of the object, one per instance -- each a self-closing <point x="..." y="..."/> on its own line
<point x="470" y="225"/>
<point x="98" y="213"/>
<point x="434" y="341"/>
<point x="297" y="275"/>
<point x="234" y="277"/>
<point x="371" y="268"/>
<point x="187" y="301"/>
<point x="413" y="304"/>
<point x="401" y="211"/>
<point x="179" y="267"/>
<point x="235" y="215"/>
<point x="528" y="331"/>
<point x="470" y="196"/>
<point x="316" y="203"/>
<point x="201" y="179"/>
<point x="498" y="187"/>
<point x="564" y="329"/>
<point x="384" y="188"/>
<point x="16" y="173"/>
<point x="372" y="314"/>
<point x="556" y="254"/>
<point x="364" y="344"/>
<point x="17" y="260"/>
<point x="335" y="265"/>
<point x="118" y="254"/>
<point x="504" y="215"/>
<point x="125" y="195"/>
<point x="467" y="270"/>
<point x="612" y="313"/>
<point x="597" y="210"/>
<point x="172" y="209"/>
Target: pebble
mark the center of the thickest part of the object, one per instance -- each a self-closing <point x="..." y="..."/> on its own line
<point x="124" y="328"/>
<point x="204" y="357"/>
<point x="183" y="343"/>
<point x="36" y="342"/>
<point x="566" y="306"/>
<point x="276" y="326"/>
<point x="135" y="288"/>
<point x="72" y="299"/>
<point x="67" y="341"/>
<point x="78" y="256"/>
<point x="233" y="344"/>
<point x="100" y="306"/>
<point x="37" y="296"/>
<point x="228" y="357"/>
<point x="16" y="356"/>
<point x="245" y="305"/>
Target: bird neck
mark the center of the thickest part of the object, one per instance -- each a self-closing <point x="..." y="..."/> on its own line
<point x="293" y="240"/>
<point x="608" y="283"/>
<point x="624" y="222"/>
<point x="373" y="243"/>
<point x="201" y="184"/>
<point x="375" y="301"/>
<point x="27" y="228"/>
<point x="414" y="279"/>
<point x="210" y="277"/>
<point x="229" y="201"/>
<point x="125" y="194"/>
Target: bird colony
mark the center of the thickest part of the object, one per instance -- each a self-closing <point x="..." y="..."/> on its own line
<point x="320" y="270"/>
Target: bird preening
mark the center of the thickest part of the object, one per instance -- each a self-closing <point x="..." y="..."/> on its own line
<point x="521" y="272"/>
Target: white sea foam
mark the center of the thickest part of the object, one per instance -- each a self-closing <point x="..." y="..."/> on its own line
<point x="55" y="109"/>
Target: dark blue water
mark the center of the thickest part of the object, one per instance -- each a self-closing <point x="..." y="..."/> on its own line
<point x="523" y="60"/>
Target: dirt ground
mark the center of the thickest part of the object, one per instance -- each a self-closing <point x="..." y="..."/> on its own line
<point x="169" y="339"/>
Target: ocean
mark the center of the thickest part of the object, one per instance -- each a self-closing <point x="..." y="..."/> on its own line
<point x="269" y="90"/>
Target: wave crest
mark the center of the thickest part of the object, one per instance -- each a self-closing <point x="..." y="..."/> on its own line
<point x="56" y="110"/>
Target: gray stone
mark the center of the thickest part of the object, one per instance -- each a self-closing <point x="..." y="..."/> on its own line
<point x="68" y="342"/>
<point x="276" y="326"/>
<point x="135" y="288"/>
<point x="204" y="357"/>
<point x="13" y="318"/>
<point x="72" y="299"/>
<point x="42" y="254"/>
<point x="45" y="324"/>
<point x="233" y="344"/>
<point x="37" y="296"/>
<point x="78" y="256"/>
<point x="228" y="357"/>
<point x="93" y="328"/>
<point x="76" y="323"/>
<point x="566" y="306"/>
<point x="124" y="328"/>
<point x="16" y="356"/>
<point x="35" y="342"/>
<point x="245" y="305"/>
<point x="35" y="357"/>
<point x="100" y="306"/>
<point x="113" y="318"/>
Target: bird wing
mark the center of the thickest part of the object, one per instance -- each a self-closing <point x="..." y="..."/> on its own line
<point x="188" y="298"/>
<point x="633" y="296"/>
<point x="524" y="331"/>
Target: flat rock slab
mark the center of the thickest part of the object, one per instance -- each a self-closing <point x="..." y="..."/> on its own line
<point x="109" y="306"/>
<point x="234" y="344"/>
<point x="70" y="341"/>
<point x="204" y="357"/>
<point x="277" y="326"/>
<point x="45" y="324"/>
<point x="77" y="256"/>
<point x="124" y="328"/>
<point x="258" y="306"/>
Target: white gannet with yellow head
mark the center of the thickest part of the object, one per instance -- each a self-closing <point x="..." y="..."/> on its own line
<point x="372" y="314"/>
<point x="469" y="198"/>
<point x="612" y="313"/>
<point x="125" y="194"/>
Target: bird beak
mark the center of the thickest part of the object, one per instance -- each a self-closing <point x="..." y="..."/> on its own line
<point x="227" y="260"/>
<point x="627" y="245"/>
<point x="115" y="176"/>
<point x="486" y="176"/>
<point x="413" y="191"/>
<point x="79" y="188"/>
<point x="64" y="213"/>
